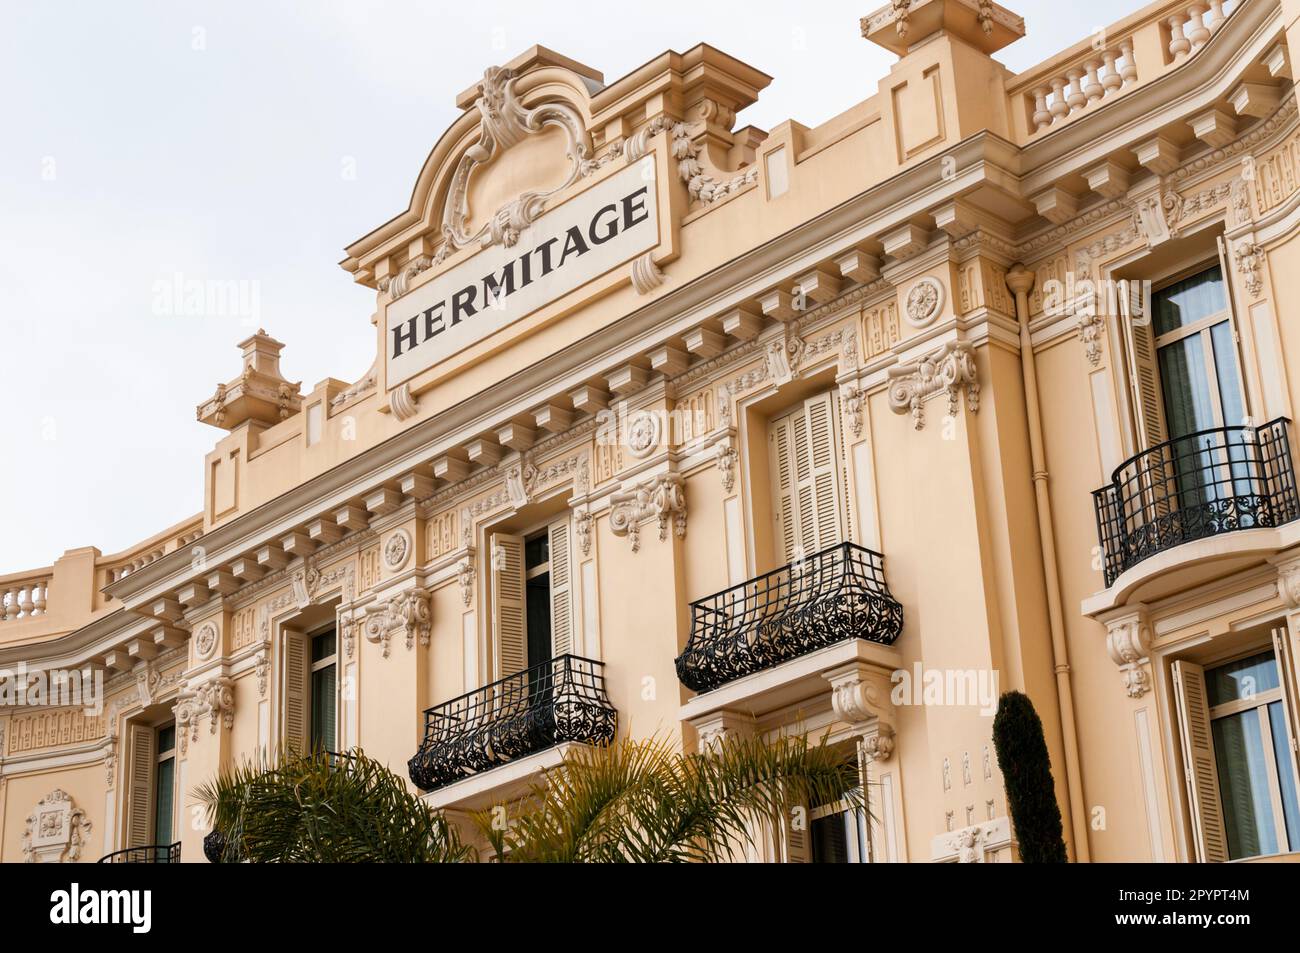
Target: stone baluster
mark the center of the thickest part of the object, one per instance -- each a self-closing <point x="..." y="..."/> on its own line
<point x="8" y="604"/>
<point x="1197" y="32"/>
<point x="1178" y="43"/>
<point x="1214" y="19"/>
<point x="1129" y="71"/>
<point x="1059" y="108"/>
<point x="42" y="593"/>
<point x="26" y="603"/>
<point x="1092" y="88"/>
<point x="1075" y="98"/>
<point x="1110" y="78"/>
<point x="1042" y="118"/>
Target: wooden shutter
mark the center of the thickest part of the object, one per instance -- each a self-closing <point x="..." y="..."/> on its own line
<point x="1143" y="372"/>
<point x="139" y="808"/>
<point x="561" y="589"/>
<point x="508" y="606"/>
<point x="1199" y="764"/>
<point x="1290" y="683"/>
<point x="798" y="840"/>
<point x="807" y="478"/>
<point x="783" y="484"/>
<point x="296" y="735"/>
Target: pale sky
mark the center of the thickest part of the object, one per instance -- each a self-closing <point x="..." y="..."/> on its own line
<point x="242" y="141"/>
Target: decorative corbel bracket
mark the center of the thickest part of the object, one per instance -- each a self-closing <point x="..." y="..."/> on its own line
<point x="860" y="696"/>
<point x="407" y="614"/>
<point x="1127" y="643"/>
<point x="947" y="370"/>
<point x="662" y="497"/>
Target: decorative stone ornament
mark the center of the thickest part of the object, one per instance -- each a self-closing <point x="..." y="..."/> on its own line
<point x="408" y="615"/>
<point x="397" y="550"/>
<point x="1126" y="643"/>
<point x="860" y="696"/>
<point x="948" y="370"/>
<point x="205" y="640"/>
<point x="56" y="830"/>
<point x="662" y="497"/>
<point x="1250" y="258"/>
<point x="726" y="456"/>
<point x="643" y="431"/>
<point x="466" y="573"/>
<point x="924" y="302"/>
<point x="505" y="122"/>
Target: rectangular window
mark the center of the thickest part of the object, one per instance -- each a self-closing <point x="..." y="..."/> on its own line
<point x="165" y="789"/>
<point x="324" y="660"/>
<point x="532" y="613"/>
<point x="1237" y="736"/>
<point x="839" y="835"/>
<point x="808" y="497"/>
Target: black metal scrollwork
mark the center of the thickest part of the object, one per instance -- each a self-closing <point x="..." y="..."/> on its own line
<point x="559" y="700"/>
<point x="834" y="595"/>
<point x="1199" y="485"/>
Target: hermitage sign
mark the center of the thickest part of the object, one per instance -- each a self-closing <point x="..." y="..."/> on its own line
<point x="574" y="243"/>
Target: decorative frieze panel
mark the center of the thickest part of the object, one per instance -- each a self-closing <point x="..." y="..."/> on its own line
<point x="880" y="329"/>
<point x="245" y="630"/>
<point x="976" y="844"/>
<point x="369" y="568"/>
<point x="662" y="498"/>
<point x="441" y="535"/>
<point x="949" y="370"/>
<point x="56" y="830"/>
<point x="49" y="729"/>
<point x="1277" y="174"/>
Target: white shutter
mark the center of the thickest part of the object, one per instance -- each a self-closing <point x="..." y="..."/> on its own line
<point x="296" y="736"/>
<point x="139" y="808"/>
<point x="561" y="588"/>
<point x="1290" y="682"/>
<point x="508" y="605"/>
<point x="807" y="478"/>
<point x="1199" y="764"/>
<point x="1143" y="373"/>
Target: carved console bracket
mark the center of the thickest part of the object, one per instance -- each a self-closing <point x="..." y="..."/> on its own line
<point x="662" y="497"/>
<point x="1127" y="643"/>
<point x="407" y="614"/>
<point x="947" y="370"/>
<point x="860" y="696"/>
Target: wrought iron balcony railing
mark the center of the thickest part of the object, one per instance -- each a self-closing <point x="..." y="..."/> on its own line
<point x="837" y="594"/>
<point x="560" y="700"/>
<point x="1204" y="484"/>
<point x="152" y="854"/>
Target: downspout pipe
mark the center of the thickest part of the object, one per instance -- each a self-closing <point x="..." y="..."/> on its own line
<point x="1021" y="281"/>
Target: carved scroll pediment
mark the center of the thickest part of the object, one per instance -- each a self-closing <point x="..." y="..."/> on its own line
<point x="504" y="123"/>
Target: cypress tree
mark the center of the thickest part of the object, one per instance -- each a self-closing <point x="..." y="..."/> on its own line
<point x="1027" y="772"/>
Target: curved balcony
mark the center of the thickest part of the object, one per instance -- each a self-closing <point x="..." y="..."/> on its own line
<point x="1193" y="487"/>
<point x="151" y="854"/>
<point x="835" y="595"/>
<point x="560" y="700"/>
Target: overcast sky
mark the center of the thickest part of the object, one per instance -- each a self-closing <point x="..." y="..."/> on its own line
<point x="249" y="142"/>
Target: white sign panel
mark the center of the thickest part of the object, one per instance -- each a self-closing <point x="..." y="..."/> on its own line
<point x="568" y="246"/>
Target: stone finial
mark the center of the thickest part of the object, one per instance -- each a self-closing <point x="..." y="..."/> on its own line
<point x="259" y="393"/>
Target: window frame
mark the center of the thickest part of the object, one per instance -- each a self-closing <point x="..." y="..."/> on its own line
<point x="312" y="668"/>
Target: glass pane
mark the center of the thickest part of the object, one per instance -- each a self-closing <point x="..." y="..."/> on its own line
<point x="163" y="796"/>
<point x="322" y="646"/>
<point x="830" y="842"/>
<point x="1243" y="785"/>
<point x="322" y="708"/>
<point x="537" y="551"/>
<point x="1189" y="406"/>
<point x="1189" y="301"/>
<point x="166" y="739"/>
<point x="1285" y="775"/>
<point x="1241" y="680"/>
<point x="1225" y="366"/>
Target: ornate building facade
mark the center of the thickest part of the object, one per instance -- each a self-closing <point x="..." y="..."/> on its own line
<point x="682" y="429"/>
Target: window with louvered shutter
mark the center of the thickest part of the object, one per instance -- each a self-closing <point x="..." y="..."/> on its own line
<point x="807" y="476"/>
<point x="295" y="691"/>
<point x="508" y="605"/>
<point x="1143" y="372"/>
<point x="798" y="849"/>
<point x="1199" y="762"/>
<point x="140" y="787"/>
<point x="561" y="588"/>
<point x="1287" y="676"/>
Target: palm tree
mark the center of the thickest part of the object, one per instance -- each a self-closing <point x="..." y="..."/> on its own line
<point x="633" y="801"/>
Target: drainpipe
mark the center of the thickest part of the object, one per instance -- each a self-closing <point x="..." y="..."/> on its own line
<point x="1020" y="280"/>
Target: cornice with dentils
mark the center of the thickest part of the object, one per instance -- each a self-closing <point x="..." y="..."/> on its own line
<point x="981" y="160"/>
